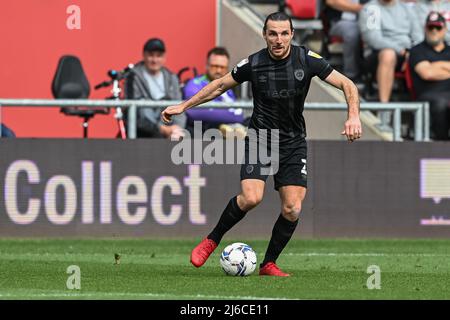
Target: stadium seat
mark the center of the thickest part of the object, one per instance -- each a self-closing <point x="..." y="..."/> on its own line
<point x="407" y="117"/>
<point x="302" y="9"/>
<point x="409" y="81"/>
<point x="305" y="16"/>
<point x="329" y="41"/>
<point x="184" y="80"/>
<point x="70" y="82"/>
<point x="405" y="77"/>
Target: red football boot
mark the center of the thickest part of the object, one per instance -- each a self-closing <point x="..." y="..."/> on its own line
<point x="202" y="252"/>
<point x="271" y="269"/>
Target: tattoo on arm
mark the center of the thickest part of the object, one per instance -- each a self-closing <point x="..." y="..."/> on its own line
<point x="207" y="93"/>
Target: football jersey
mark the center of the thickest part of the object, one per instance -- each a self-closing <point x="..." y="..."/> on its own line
<point x="279" y="90"/>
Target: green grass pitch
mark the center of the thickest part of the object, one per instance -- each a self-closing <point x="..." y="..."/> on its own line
<point x="160" y="269"/>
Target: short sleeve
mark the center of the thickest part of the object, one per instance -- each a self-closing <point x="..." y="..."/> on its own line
<point x="416" y="56"/>
<point x="318" y="66"/>
<point x="242" y="71"/>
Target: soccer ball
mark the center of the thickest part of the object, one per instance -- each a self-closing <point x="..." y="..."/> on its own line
<point x="238" y="259"/>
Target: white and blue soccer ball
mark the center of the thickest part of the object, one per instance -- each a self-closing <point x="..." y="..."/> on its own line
<point x="238" y="259"/>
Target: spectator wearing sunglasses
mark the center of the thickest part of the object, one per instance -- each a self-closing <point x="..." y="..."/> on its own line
<point x="228" y="120"/>
<point x="430" y="66"/>
<point x="424" y="7"/>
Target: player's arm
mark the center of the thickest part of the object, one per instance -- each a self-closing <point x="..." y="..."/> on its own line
<point x="433" y="71"/>
<point x="212" y="90"/>
<point x="352" y="127"/>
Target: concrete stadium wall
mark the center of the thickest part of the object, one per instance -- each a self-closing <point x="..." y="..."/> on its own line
<point x="34" y="34"/>
<point x="113" y="188"/>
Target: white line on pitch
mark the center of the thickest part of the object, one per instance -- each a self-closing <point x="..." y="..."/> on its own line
<point x="125" y="294"/>
<point x="374" y="254"/>
<point x="307" y="254"/>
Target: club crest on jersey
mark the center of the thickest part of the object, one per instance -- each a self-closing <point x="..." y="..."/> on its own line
<point x="262" y="78"/>
<point x="313" y="54"/>
<point x="299" y="74"/>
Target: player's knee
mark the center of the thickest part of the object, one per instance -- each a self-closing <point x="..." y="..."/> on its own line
<point x="291" y="211"/>
<point x="251" y="200"/>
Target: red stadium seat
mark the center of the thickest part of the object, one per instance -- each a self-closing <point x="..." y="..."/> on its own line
<point x="406" y="76"/>
<point x="400" y="75"/>
<point x="305" y="16"/>
<point x="409" y="81"/>
<point x="329" y="40"/>
<point x="335" y="39"/>
<point x="303" y="9"/>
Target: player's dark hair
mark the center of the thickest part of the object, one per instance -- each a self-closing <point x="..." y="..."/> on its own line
<point x="218" y="51"/>
<point x="278" y="16"/>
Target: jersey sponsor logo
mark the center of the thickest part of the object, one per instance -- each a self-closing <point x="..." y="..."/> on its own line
<point x="299" y="74"/>
<point x="313" y="54"/>
<point x="283" y="93"/>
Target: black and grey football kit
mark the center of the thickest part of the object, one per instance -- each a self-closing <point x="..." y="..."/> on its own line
<point x="279" y="91"/>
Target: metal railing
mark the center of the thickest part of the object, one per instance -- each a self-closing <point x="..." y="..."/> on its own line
<point x="420" y="110"/>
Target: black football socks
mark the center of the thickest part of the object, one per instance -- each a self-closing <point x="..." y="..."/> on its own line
<point x="281" y="234"/>
<point x="230" y="216"/>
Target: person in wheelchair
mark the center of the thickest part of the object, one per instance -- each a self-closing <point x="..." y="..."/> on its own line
<point x="150" y="79"/>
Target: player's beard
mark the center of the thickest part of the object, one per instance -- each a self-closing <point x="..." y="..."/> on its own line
<point x="279" y="54"/>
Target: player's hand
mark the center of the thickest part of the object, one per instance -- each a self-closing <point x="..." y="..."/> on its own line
<point x="352" y="129"/>
<point x="167" y="113"/>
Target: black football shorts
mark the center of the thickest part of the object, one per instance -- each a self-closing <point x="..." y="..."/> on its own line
<point x="291" y="167"/>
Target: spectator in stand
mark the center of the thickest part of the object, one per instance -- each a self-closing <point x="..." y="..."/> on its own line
<point x="388" y="30"/>
<point x="228" y="120"/>
<point x="430" y="68"/>
<point x="6" y="132"/>
<point x="343" y="19"/>
<point x="423" y="7"/>
<point x="149" y="79"/>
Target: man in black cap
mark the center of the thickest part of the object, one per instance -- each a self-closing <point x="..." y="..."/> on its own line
<point x="150" y="79"/>
<point x="430" y="66"/>
<point x="423" y="8"/>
